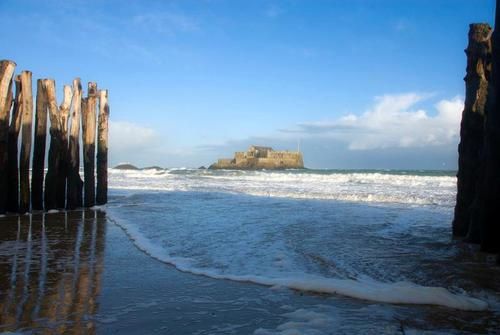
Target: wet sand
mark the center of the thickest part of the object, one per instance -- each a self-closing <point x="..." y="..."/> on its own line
<point x="77" y="272"/>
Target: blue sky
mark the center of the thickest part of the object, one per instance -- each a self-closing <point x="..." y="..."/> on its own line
<point x="361" y="83"/>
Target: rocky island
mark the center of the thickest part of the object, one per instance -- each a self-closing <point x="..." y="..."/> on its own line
<point x="258" y="157"/>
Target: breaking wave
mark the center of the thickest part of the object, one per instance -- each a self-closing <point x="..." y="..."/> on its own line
<point x="400" y="187"/>
<point x="366" y="289"/>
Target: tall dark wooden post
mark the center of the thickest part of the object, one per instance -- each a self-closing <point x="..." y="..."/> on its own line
<point x="89" y="134"/>
<point x="102" y="149"/>
<point x="6" y="72"/>
<point x="50" y="193"/>
<point x="37" y="172"/>
<point x="63" y="154"/>
<point x="75" y="184"/>
<point x="26" y="132"/>
<point x="13" y="160"/>
<point x="471" y="128"/>
<point x="489" y="215"/>
<point x="55" y="180"/>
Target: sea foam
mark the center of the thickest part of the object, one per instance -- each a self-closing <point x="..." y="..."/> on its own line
<point x="332" y="185"/>
<point x="366" y="235"/>
<point x="397" y="293"/>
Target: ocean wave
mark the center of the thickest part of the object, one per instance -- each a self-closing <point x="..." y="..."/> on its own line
<point x="375" y="187"/>
<point x="397" y="293"/>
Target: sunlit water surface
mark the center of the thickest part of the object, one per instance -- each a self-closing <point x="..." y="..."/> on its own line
<point x="289" y="252"/>
<point x="375" y="235"/>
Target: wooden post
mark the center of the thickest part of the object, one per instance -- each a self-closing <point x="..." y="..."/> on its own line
<point x="89" y="132"/>
<point x="64" y="162"/>
<point x="75" y="183"/>
<point x="488" y="216"/>
<point x="37" y="173"/>
<point x="472" y="128"/>
<point x="102" y="149"/>
<point x="50" y="194"/>
<point x="24" y="158"/>
<point x="6" y="72"/>
<point x="64" y="109"/>
<point x="12" y="164"/>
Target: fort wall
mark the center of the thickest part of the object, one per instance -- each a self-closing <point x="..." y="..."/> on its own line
<point x="261" y="158"/>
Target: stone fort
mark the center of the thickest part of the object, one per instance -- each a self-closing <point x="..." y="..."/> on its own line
<point x="259" y="157"/>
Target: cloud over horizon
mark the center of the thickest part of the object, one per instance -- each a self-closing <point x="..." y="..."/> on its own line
<point x="394" y="121"/>
<point x="145" y="146"/>
<point x="394" y="132"/>
<point x="129" y="142"/>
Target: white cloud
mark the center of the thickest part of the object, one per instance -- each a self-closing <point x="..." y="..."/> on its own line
<point x="145" y="146"/>
<point x="393" y="122"/>
<point x="127" y="135"/>
<point x="129" y="142"/>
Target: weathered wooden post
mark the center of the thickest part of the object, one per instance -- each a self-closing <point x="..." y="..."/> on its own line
<point x="13" y="162"/>
<point x="62" y="186"/>
<point x="37" y="172"/>
<point x="50" y="194"/>
<point x="6" y="72"/>
<point x="490" y="188"/>
<point x="89" y="132"/>
<point x="471" y="128"/>
<point x="102" y="149"/>
<point x="75" y="184"/>
<point x="64" y="162"/>
<point x="26" y="132"/>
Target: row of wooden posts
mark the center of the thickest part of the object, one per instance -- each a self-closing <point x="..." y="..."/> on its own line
<point x="61" y="187"/>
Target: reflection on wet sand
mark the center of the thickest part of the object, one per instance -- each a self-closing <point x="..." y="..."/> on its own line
<point x="50" y="270"/>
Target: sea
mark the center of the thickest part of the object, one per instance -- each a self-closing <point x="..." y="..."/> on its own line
<point x="374" y="236"/>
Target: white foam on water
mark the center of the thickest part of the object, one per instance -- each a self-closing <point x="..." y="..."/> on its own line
<point x="101" y="208"/>
<point x="303" y="322"/>
<point x="334" y="319"/>
<point x="398" y="292"/>
<point x="355" y="186"/>
<point x="221" y="224"/>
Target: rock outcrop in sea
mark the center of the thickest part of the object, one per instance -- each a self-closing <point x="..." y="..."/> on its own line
<point x="126" y="166"/>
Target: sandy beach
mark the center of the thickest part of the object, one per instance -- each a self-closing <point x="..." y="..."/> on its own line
<point x="78" y="272"/>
